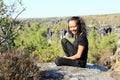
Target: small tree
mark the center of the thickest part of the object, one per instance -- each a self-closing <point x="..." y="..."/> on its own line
<point x="7" y="23"/>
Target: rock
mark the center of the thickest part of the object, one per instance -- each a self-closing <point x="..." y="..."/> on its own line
<point x="118" y="48"/>
<point x="115" y="69"/>
<point x="92" y="72"/>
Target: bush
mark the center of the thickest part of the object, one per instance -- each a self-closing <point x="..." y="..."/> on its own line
<point x="97" y="46"/>
<point x="108" y="41"/>
<point x="93" y="53"/>
<point x="34" y="40"/>
<point x="13" y="66"/>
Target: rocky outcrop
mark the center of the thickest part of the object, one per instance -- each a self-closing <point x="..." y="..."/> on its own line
<point x="118" y="48"/>
<point x="115" y="69"/>
<point x="92" y="72"/>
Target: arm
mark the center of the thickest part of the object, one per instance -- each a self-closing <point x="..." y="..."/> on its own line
<point x="78" y="54"/>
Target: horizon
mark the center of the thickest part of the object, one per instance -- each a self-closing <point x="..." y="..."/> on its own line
<point x="77" y="15"/>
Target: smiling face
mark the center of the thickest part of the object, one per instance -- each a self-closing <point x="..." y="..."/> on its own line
<point x="73" y="27"/>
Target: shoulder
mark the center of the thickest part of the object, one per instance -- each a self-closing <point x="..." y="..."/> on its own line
<point x="83" y="38"/>
<point x="82" y="35"/>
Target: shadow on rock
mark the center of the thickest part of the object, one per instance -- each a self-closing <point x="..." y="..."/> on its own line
<point x="98" y="67"/>
<point x="51" y="74"/>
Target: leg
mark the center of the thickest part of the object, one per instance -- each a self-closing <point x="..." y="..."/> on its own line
<point x="60" y="61"/>
<point x="68" y="48"/>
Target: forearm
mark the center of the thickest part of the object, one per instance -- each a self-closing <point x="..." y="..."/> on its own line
<point x="78" y="54"/>
<point x="74" y="57"/>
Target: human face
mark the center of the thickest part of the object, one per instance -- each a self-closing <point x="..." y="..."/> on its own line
<point x="73" y="27"/>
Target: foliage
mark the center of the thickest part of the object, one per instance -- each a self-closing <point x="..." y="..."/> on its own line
<point x="8" y="28"/>
<point x="6" y="34"/>
<point x="97" y="45"/>
<point x="59" y="26"/>
<point x="108" y="41"/>
<point x="13" y="66"/>
<point x="31" y="38"/>
<point x="3" y="8"/>
<point x="93" y="45"/>
<point x="34" y="40"/>
<point x="93" y="38"/>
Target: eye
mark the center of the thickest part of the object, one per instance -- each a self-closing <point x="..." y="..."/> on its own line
<point x="72" y="26"/>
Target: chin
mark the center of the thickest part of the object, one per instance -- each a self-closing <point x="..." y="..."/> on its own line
<point x="74" y="33"/>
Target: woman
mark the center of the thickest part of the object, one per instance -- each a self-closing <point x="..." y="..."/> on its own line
<point x="76" y="53"/>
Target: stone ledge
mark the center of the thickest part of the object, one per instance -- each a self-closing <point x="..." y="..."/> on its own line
<point x="91" y="72"/>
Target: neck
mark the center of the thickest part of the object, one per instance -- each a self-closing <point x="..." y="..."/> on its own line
<point x="78" y="34"/>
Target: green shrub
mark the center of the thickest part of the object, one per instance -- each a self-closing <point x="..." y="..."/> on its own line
<point x="108" y="41"/>
<point x="34" y="40"/>
<point x="93" y="46"/>
<point x="98" y="45"/>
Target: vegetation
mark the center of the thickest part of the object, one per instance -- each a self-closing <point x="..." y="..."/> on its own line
<point x="8" y="24"/>
<point x="100" y="46"/>
<point x="34" y="40"/>
<point x="13" y="66"/>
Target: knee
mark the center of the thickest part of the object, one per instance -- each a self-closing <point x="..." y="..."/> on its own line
<point x="63" y="41"/>
<point x="57" y="61"/>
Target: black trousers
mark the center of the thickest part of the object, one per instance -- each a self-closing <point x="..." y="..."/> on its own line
<point x="69" y="50"/>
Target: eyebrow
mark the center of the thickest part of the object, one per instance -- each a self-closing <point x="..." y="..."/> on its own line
<point x="73" y="26"/>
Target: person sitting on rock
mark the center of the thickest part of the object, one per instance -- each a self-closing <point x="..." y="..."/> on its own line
<point x="76" y="53"/>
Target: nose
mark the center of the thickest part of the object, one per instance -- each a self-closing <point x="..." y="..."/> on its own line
<point x="72" y="28"/>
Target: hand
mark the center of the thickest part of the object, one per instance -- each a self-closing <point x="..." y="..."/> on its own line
<point x="67" y="57"/>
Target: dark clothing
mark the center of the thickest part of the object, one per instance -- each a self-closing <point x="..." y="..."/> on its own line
<point x="82" y="40"/>
<point x="71" y="49"/>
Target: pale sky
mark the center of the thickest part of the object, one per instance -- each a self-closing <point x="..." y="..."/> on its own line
<point x="61" y="8"/>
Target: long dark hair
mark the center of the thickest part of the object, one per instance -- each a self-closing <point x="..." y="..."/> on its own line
<point x="80" y="24"/>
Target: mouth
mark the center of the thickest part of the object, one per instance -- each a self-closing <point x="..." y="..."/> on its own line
<point x="74" y="31"/>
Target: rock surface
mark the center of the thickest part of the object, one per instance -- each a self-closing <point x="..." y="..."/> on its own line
<point x="92" y="72"/>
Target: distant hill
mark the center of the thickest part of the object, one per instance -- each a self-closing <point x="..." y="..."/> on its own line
<point x="108" y="19"/>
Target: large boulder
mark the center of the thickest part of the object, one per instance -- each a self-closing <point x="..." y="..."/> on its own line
<point x="92" y="72"/>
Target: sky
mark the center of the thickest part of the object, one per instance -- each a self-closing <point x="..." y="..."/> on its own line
<point x="63" y="8"/>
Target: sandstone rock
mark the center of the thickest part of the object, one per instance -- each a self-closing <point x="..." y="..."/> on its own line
<point x="92" y="72"/>
<point x="118" y="48"/>
<point x="115" y="69"/>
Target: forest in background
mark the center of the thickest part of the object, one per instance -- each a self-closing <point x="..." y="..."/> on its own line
<point x="32" y="37"/>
